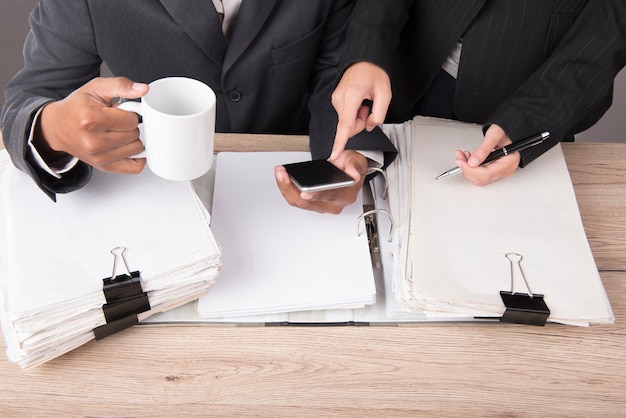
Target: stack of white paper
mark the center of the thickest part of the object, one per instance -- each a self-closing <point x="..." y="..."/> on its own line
<point x="451" y="237"/>
<point x="56" y="255"/>
<point x="279" y="258"/>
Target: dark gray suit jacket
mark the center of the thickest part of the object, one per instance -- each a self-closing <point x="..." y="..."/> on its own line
<point x="281" y="57"/>
<point x="526" y="65"/>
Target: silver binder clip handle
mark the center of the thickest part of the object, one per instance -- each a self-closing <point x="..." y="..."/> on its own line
<point x="118" y="253"/>
<point x="518" y="261"/>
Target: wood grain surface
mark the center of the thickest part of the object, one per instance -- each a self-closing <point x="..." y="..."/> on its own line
<point x="434" y="369"/>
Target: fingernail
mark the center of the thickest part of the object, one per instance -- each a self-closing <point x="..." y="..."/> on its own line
<point x="139" y="86"/>
<point x="306" y="196"/>
<point x="279" y="176"/>
<point x="473" y="162"/>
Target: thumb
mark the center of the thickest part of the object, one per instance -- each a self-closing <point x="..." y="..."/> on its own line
<point x="107" y="89"/>
<point x="379" y="111"/>
<point x="494" y="137"/>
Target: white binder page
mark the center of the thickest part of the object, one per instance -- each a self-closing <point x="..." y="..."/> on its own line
<point x="277" y="258"/>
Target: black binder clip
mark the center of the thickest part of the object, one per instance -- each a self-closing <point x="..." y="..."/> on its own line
<point x="124" y="296"/>
<point x="523" y="308"/>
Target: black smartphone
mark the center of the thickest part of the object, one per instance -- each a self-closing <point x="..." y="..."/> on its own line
<point x="317" y="175"/>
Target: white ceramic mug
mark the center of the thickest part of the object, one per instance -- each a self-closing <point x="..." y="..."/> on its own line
<point x="178" y="127"/>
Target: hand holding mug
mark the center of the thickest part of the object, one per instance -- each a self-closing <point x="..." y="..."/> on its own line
<point x="85" y="125"/>
<point x="179" y="133"/>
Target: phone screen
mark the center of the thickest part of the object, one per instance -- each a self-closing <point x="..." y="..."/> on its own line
<point x="317" y="175"/>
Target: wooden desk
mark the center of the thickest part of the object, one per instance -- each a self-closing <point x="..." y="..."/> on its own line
<point x="434" y="369"/>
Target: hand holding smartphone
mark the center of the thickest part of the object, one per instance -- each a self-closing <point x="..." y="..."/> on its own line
<point x="317" y="175"/>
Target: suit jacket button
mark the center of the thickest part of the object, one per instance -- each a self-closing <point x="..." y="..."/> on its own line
<point x="234" y="95"/>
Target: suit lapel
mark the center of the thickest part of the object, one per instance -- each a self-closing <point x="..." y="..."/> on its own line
<point x="200" y="21"/>
<point x="250" y="19"/>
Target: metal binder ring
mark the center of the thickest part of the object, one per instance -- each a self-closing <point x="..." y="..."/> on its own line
<point x="371" y="212"/>
<point x="384" y="174"/>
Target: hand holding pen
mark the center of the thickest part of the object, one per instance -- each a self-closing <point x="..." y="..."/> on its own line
<point x="504" y="151"/>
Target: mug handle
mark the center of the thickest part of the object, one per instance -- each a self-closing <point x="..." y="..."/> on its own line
<point x="132" y="106"/>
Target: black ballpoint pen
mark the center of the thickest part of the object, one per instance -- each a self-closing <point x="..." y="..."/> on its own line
<point x="499" y="153"/>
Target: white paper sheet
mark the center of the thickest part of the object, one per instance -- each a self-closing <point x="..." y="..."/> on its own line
<point x="277" y="258"/>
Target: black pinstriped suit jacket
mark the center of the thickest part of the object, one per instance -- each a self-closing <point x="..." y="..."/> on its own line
<point x="526" y="65"/>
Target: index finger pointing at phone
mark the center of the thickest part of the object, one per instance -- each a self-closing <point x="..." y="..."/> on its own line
<point x="350" y="123"/>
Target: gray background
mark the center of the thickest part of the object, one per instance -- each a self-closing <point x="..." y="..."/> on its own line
<point x="14" y="27"/>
